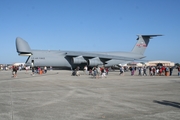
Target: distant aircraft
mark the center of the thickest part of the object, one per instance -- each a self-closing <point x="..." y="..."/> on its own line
<point x="72" y="59"/>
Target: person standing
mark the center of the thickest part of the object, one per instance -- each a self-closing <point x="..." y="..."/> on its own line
<point x="33" y="71"/>
<point x="85" y="70"/>
<point x="144" y="71"/>
<point x="45" y="69"/>
<point x="139" y="70"/>
<point x="103" y="71"/>
<point x="50" y="67"/>
<point x="170" y="70"/>
<point x="98" y="70"/>
<point x="132" y="71"/>
<point x="26" y="69"/>
<point x="121" y="70"/>
<point x="94" y="72"/>
<point x="154" y="71"/>
<point x="150" y="71"/>
<point x="178" y="71"/>
<point x="107" y="70"/>
<point x="15" y="71"/>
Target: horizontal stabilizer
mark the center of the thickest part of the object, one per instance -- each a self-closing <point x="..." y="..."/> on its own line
<point x="22" y="47"/>
<point x="149" y="36"/>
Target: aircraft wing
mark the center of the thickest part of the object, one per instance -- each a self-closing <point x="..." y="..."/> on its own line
<point x="103" y="56"/>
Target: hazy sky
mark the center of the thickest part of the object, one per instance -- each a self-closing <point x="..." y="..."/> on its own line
<point x="90" y="25"/>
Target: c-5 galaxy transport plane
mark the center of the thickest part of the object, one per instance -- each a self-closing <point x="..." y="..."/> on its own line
<point x="72" y="59"/>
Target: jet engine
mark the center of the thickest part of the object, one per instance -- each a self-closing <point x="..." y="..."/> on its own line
<point x="78" y="60"/>
<point x="94" y="62"/>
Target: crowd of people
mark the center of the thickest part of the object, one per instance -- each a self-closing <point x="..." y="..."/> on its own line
<point x="102" y="72"/>
<point x="95" y="72"/>
<point x="98" y="72"/>
<point x="153" y="70"/>
<point x="39" y="70"/>
<point x="35" y="70"/>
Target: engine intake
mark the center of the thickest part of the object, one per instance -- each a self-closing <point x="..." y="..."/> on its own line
<point x="78" y="60"/>
<point x="94" y="62"/>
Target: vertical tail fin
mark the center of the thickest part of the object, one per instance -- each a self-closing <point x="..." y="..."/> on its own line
<point x="142" y="43"/>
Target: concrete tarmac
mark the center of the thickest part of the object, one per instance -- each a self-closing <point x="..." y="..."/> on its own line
<point x="59" y="96"/>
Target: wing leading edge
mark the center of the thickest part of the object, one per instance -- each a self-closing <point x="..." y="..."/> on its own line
<point x="101" y="56"/>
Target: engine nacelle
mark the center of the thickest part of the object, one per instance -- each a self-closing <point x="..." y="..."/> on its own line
<point x="94" y="62"/>
<point x="78" y="60"/>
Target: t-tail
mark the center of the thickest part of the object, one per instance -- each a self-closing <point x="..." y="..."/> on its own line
<point x="22" y="47"/>
<point x="142" y="43"/>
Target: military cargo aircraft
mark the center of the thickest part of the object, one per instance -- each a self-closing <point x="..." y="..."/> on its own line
<point x="72" y="59"/>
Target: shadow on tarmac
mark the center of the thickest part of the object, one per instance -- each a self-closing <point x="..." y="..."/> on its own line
<point x="168" y="103"/>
